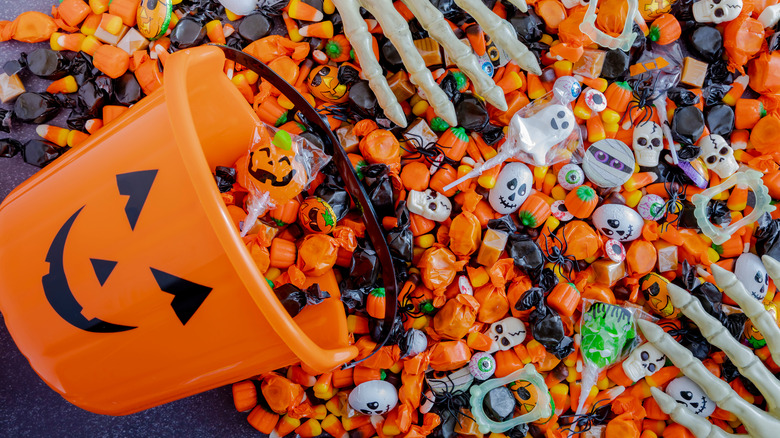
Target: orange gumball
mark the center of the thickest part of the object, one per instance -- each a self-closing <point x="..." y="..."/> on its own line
<point x="381" y="147"/>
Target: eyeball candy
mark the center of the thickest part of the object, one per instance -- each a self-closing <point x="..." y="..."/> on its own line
<point x="608" y="163"/>
<point x="513" y="186"/>
<point x="560" y="212"/>
<point x="595" y="100"/>
<point x="651" y="207"/>
<point x="375" y="397"/>
<point x="615" y="250"/>
<point x="566" y="89"/>
<point x="482" y="365"/>
<point x="618" y="222"/>
<point x="570" y="176"/>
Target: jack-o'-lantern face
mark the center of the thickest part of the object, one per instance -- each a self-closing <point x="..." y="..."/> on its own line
<point x="317" y="216"/>
<point x="526" y="396"/>
<point x="754" y="337"/>
<point x="272" y="169"/>
<point x="324" y="84"/>
<point x="653" y="287"/>
<point x="154" y="18"/>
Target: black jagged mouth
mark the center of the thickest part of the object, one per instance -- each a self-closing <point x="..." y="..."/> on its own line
<point x="504" y="203"/>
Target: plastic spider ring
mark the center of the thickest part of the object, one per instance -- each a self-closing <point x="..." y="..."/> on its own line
<point x="719" y="235"/>
<point x="528" y="374"/>
<point x="624" y="41"/>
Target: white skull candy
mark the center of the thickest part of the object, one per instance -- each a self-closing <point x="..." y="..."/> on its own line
<point x="429" y="204"/>
<point x="716" y="11"/>
<point x="645" y="361"/>
<point x="690" y="395"/>
<point x="648" y="143"/>
<point x="506" y="333"/>
<point x="751" y="273"/>
<point x="513" y="186"/>
<point x="718" y="156"/>
<point x="537" y="134"/>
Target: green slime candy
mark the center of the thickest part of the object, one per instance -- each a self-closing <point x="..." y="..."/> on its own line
<point x="606" y="331"/>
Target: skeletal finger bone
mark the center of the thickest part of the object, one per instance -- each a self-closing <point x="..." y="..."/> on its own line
<point x="748" y="364"/>
<point x="754" y="310"/>
<point x="503" y="34"/>
<point x="433" y="21"/>
<point x="397" y="31"/>
<point x="757" y="422"/>
<point x="357" y="32"/>
<point x="698" y="425"/>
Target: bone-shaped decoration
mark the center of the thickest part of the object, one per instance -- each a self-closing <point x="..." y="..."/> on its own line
<point x="758" y="423"/>
<point x="397" y="31"/>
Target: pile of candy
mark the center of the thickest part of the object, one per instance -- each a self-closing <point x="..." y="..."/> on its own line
<point x="543" y="227"/>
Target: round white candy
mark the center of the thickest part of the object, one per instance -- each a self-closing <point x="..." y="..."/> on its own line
<point x="374" y="397"/>
<point x="618" y="222"/>
<point x="690" y="395"/>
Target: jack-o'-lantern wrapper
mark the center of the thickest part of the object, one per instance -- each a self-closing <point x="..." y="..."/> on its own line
<point x="277" y="167"/>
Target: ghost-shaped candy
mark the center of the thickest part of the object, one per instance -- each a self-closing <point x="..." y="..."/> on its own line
<point x="513" y="186"/>
<point x="687" y="393"/>
<point x="537" y="134"/>
<point x="618" y="222"/>
<point x="751" y="273"/>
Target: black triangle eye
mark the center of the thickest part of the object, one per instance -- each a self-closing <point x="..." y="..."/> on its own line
<point x="521" y="191"/>
<point x="512" y="184"/>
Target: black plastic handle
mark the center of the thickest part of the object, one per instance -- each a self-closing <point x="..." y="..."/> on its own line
<point x="354" y="187"/>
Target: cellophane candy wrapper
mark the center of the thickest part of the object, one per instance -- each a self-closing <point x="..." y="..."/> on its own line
<point x="545" y="131"/>
<point x="277" y="167"/>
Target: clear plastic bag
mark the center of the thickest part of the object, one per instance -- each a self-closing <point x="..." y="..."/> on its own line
<point x="277" y="167"/>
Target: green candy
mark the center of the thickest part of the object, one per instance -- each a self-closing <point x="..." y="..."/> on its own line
<point x="607" y="331"/>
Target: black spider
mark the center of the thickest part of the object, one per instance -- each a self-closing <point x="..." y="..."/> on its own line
<point x="431" y="152"/>
<point x="452" y="401"/>
<point x="642" y="101"/>
<point x="557" y="257"/>
<point x="596" y="416"/>
<point x="674" y="205"/>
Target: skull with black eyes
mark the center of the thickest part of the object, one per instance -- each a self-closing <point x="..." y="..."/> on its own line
<point x="648" y="143"/>
<point x="716" y="11"/>
<point x="506" y="333"/>
<point x="513" y="186"/>
<point x="645" y="361"/>
<point x="751" y="273"/>
<point x="618" y="222"/>
<point x="690" y="395"/>
<point x="718" y="156"/>
<point x="429" y="204"/>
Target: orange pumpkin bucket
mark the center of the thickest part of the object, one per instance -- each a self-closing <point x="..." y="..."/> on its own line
<point x="122" y="277"/>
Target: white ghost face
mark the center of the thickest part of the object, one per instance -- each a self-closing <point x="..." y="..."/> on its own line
<point x="374" y="397"/>
<point x="513" y="186"/>
<point x="718" y="156"/>
<point x="537" y="134"/>
<point x="506" y="333"/>
<point x="645" y="361"/>
<point x="751" y="273"/>
<point x="716" y="11"/>
<point x="429" y="204"/>
<point x="618" y="222"/>
<point x="648" y="143"/>
<point x="690" y="395"/>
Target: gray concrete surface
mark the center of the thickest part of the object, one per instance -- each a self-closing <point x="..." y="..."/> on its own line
<point x="29" y="408"/>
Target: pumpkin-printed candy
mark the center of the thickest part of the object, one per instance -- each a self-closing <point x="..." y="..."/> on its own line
<point x="316" y="215"/>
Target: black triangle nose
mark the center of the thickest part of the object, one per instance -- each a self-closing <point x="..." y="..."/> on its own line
<point x="511" y="197"/>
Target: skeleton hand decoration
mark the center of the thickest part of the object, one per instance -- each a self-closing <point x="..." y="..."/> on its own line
<point x="757" y="422"/>
<point x="397" y="31"/>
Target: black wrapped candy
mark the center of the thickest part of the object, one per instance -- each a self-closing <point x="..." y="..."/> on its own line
<point x="36" y="107"/>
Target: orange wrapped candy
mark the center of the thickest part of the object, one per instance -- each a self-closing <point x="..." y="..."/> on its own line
<point x="611" y="17"/>
<point x="280" y="393"/>
<point x="28" y="27"/>
<point x="456" y="317"/>
<point x="742" y="40"/>
<point x="492" y="298"/>
<point x="271" y="47"/>
<point x="438" y="267"/>
<point x="641" y="257"/>
<point x="381" y="147"/>
<point x="576" y="239"/>
<point x="317" y="254"/>
<point x="465" y="234"/>
<point x="450" y="355"/>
